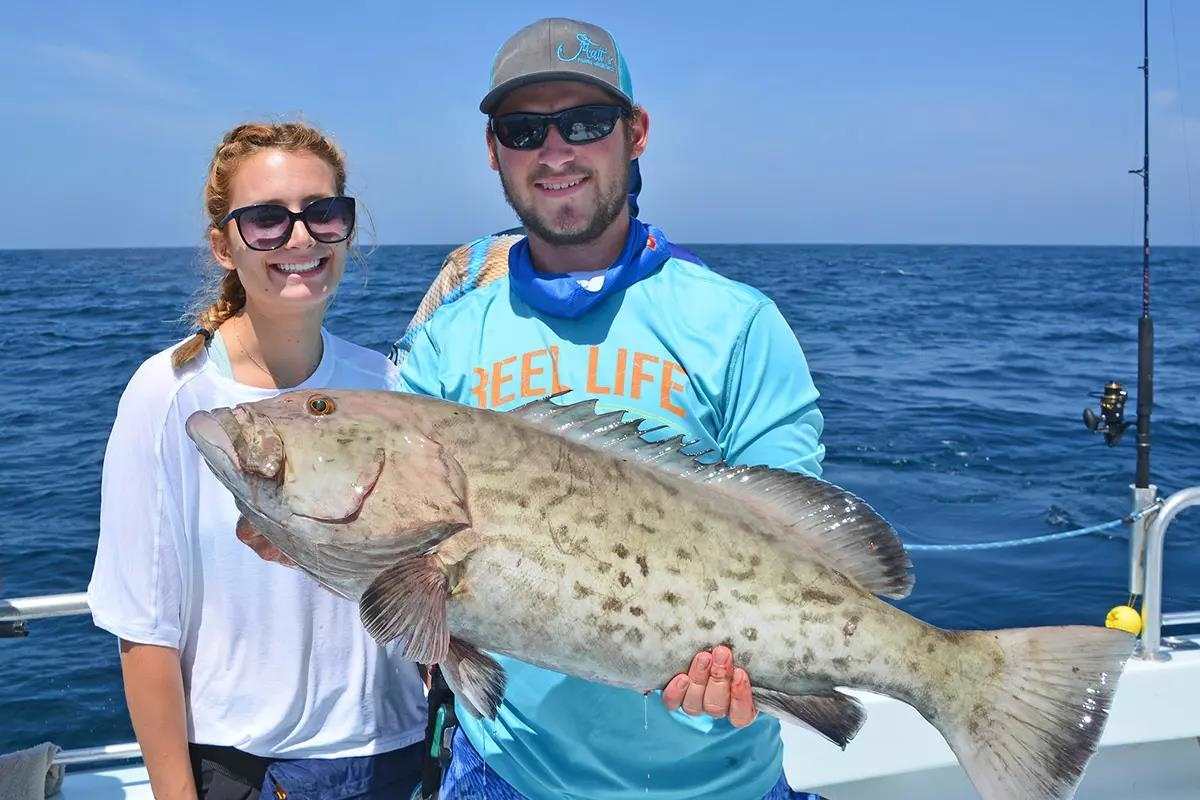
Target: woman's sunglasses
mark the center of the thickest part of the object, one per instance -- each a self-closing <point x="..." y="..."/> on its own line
<point x="579" y="125"/>
<point x="269" y="226"/>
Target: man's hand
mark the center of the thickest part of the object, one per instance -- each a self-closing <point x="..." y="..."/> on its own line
<point x="250" y="537"/>
<point x="713" y="686"/>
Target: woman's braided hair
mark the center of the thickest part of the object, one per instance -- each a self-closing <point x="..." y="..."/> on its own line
<point x="229" y="297"/>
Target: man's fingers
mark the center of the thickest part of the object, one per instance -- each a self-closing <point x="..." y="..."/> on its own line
<point x="272" y="553"/>
<point x="741" y="700"/>
<point x="716" y="693"/>
<point x="249" y="536"/>
<point x="675" y="690"/>
<point x="269" y="552"/>
<point x="693" y="698"/>
<point x="713" y="686"/>
<point x="245" y="531"/>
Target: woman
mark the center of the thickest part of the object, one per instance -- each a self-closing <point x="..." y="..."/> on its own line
<point x="240" y="673"/>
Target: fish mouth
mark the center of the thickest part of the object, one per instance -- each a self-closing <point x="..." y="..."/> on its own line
<point x="240" y="441"/>
<point x="215" y="444"/>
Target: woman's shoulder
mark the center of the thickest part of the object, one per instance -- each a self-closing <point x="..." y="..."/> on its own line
<point x="156" y="384"/>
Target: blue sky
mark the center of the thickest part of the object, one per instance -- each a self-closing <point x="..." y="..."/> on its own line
<point x="866" y="122"/>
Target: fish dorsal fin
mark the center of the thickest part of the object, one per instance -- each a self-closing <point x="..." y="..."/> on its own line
<point x="845" y="532"/>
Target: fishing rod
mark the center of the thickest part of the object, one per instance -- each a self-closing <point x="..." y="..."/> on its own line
<point x="1110" y="421"/>
<point x="1145" y="399"/>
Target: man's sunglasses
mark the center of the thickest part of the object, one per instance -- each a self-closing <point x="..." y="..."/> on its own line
<point x="579" y="125"/>
<point x="269" y="226"/>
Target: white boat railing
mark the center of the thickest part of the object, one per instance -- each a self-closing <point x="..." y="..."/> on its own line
<point x="19" y="609"/>
<point x="1151" y="646"/>
<point x="99" y="755"/>
<point x="1181" y="618"/>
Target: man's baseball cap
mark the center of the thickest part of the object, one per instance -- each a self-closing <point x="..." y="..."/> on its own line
<point x="559" y="49"/>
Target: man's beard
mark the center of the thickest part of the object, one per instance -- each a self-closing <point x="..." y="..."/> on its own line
<point x="612" y="202"/>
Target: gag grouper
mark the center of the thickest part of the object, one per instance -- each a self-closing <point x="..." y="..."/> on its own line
<point x="565" y="539"/>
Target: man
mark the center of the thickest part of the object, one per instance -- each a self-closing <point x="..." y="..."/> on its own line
<point x="597" y="302"/>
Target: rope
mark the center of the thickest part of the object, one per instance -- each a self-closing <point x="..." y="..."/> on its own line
<point x="1050" y="537"/>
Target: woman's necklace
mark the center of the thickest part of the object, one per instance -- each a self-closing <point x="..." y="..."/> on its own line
<point x="250" y="356"/>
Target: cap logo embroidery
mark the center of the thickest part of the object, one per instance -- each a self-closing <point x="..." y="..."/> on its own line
<point x="588" y="53"/>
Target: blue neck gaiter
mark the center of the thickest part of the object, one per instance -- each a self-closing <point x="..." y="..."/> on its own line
<point x="561" y="295"/>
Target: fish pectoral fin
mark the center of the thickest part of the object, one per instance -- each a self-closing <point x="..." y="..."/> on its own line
<point x="408" y="600"/>
<point x="475" y="678"/>
<point x="835" y="716"/>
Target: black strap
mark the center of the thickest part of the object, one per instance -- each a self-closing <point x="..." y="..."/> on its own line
<point x="243" y="767"/>
<point x="437" y="736"/>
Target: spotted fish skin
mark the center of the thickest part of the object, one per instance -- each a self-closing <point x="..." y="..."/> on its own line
<point x="565" y="540"/>
<point x="588" y="551"/>
<point x="631" y="571"/>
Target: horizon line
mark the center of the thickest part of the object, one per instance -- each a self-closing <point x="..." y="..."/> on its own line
<point x="449" y="246"/>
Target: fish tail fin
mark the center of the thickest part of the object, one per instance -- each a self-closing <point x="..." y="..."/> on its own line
<point x="1035" y="717"/>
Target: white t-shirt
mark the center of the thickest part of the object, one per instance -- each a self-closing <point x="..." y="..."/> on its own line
<point x="273" y="664"/>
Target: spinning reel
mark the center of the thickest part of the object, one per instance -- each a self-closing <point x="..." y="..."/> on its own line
<point x="1111" y="419"/>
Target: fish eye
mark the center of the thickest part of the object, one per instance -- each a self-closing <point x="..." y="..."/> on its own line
<point x="320" y="406"/>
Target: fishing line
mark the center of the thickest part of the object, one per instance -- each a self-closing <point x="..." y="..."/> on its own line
<point x="1183" y="127"/>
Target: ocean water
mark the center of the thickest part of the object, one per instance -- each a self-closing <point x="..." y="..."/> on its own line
<point x="952" y="379"/>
